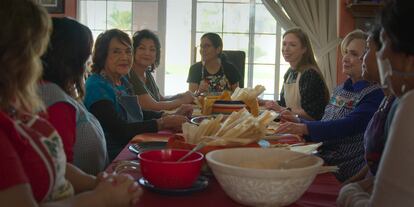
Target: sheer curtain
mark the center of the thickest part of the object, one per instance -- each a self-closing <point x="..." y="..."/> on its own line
<point x="318" y="19"/>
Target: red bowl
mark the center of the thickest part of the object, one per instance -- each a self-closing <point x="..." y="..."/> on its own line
<point x="161" y="169"/>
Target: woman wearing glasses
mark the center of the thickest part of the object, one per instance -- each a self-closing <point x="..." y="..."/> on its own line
<point x="213" y="74"/>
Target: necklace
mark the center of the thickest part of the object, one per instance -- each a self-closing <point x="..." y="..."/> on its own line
<point x="204" y="68"/>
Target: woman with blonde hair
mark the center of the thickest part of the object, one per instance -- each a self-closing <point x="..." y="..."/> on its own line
<point x="346" y="117"/>
<point x="304" y="89"/>
<point x="33" y="165"/>
<point x="376" y="132"/>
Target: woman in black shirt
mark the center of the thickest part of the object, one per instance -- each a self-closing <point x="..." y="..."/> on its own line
<point x="304" y="90"/>
<point x="213" y="74"/>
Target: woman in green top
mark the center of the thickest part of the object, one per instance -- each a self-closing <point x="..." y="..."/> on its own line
<point x="147" y="52"/>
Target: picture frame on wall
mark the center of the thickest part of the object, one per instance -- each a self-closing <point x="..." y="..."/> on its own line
<point x="53" y="6"/>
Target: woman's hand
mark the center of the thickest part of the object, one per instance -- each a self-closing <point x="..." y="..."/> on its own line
<point x="354" y="193"/>
<point x="185" y="110"/>
<point x="272" y="105"/>
<point x="186" y="98"/>
<point x="367" y="184"/>
<point x="289" y="116"/>
<point x="362" y="174"/>
<point x="102" y="176"/>
<point x="118" y="190"/>
<point x="173" y="122"/>
<point x="203" y="86"/>
<point x="292" y="128"/>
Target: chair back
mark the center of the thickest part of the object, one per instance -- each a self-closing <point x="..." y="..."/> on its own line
<point x="238" y="59"/>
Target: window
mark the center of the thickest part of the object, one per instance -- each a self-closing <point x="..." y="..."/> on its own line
<point x="126" y="15"/>
<point x="177" y="46"/>
<point x="243" y="25"/>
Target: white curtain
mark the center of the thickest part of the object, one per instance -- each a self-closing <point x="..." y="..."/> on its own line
<point x="318" y="19"/>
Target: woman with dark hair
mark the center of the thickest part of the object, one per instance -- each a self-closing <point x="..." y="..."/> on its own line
<point x="304" y="90"/>
<point x="33" y="167"/>
<point x="62" y="91"/>
<point x="346" y="117"/>
<point x="110" y="98"/>
<point x="147" y="51"/>
<point x="213" y="74"/>
<point x="393" y="183"/>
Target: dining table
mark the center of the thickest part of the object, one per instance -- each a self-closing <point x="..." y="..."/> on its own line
<point x="322" y="192"/>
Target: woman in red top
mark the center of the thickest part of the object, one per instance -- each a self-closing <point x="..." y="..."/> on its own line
<point x="33" y="168"/>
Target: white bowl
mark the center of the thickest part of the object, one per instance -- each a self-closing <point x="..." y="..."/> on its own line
<point x="250" y="175"/>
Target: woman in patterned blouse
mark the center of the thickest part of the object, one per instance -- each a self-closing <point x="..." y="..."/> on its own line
<point x="214" y="74"/>
<point x="304" y="90"/>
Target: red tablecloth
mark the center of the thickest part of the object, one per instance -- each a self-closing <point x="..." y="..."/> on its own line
<point x="322" y="192"/>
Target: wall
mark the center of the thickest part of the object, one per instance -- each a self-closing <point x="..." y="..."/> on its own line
<point x="70" y="9"/>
